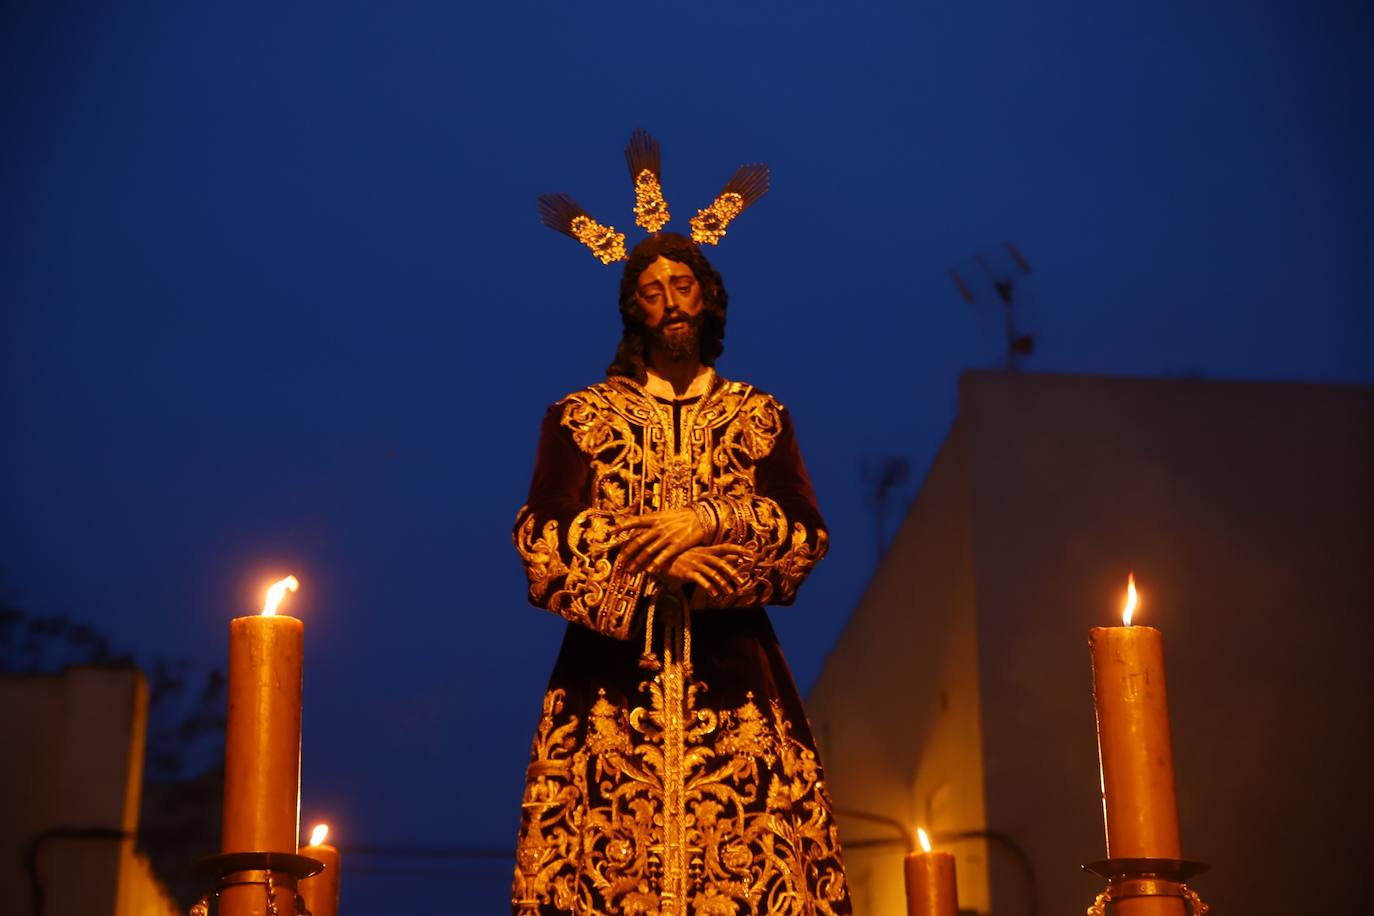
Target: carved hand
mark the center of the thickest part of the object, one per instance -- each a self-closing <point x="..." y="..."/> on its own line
<point x="657" y="539"/>
<point x="711" y="567"/>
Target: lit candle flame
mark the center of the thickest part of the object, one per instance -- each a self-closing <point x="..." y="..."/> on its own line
<point x="318" y="834"/>
<point x="924" y="838"/>
<point x="1129" y="610"/>
<point x="276" y="593"/>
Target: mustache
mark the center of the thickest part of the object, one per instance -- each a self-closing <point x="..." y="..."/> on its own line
<point x="670" y="317"/>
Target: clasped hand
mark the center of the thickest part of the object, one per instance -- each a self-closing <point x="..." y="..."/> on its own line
<point x="669" y="545"/>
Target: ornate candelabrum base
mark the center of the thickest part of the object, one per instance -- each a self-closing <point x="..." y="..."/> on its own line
<point x="255" y="884"/>
<point x="1137" y="879"/>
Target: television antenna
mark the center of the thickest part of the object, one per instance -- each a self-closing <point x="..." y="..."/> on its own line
<point x="1019" y="343"/>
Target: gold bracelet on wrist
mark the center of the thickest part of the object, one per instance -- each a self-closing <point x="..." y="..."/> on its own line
<point x="709" y="521"/>
<point x="743" y="520"/>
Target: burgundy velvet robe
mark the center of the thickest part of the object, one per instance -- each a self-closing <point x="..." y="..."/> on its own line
<point x="673" y="770"/>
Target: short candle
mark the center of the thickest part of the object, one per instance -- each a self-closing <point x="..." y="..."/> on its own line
<point x="931" y="889"/>
<point x="321" y="891"/>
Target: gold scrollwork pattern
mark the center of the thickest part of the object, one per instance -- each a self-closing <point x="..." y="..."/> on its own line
<point x="757" y="835"/>
<point x="649" y="800"/>
<point x="643" y="459"/>
<point x="591" y="590"/>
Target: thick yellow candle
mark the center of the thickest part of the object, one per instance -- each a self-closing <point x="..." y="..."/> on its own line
<point x="262" y="741"/>
<point x="930" y="882"/>
<point x="321" y="892"/>
<point x="1135" y="750"/>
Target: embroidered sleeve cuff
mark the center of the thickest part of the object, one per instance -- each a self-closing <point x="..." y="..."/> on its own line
<point x="616" y="616"/>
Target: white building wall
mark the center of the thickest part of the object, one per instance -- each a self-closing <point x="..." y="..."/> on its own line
<point x="1246" y="511"/>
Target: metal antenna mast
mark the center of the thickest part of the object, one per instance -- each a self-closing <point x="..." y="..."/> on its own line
<point x="1019" y="344"/>
<point x="883" y="475"/>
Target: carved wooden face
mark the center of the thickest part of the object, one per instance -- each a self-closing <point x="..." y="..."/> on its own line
<point x="672" y="306"/>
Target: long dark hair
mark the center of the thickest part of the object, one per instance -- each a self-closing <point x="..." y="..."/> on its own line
<point x="629" y="354"/>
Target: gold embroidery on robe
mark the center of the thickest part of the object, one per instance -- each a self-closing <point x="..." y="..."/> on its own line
<point x="629" y="441"/>
<point x="759" y="833"/>
<point x="649" y="799"/>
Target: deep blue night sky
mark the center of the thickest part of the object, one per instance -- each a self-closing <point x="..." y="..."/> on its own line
<point x="276" y="300"/>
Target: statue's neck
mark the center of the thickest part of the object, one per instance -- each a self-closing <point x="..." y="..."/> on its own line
<point x="679" y="373"/>
<point x="681" y="384"/>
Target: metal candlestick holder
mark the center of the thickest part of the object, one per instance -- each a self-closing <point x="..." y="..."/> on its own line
<point x="1128" y="878"/>
<point x="272" y="871"/>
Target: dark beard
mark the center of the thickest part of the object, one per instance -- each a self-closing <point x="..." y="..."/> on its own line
<point x="680" y="342"/>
